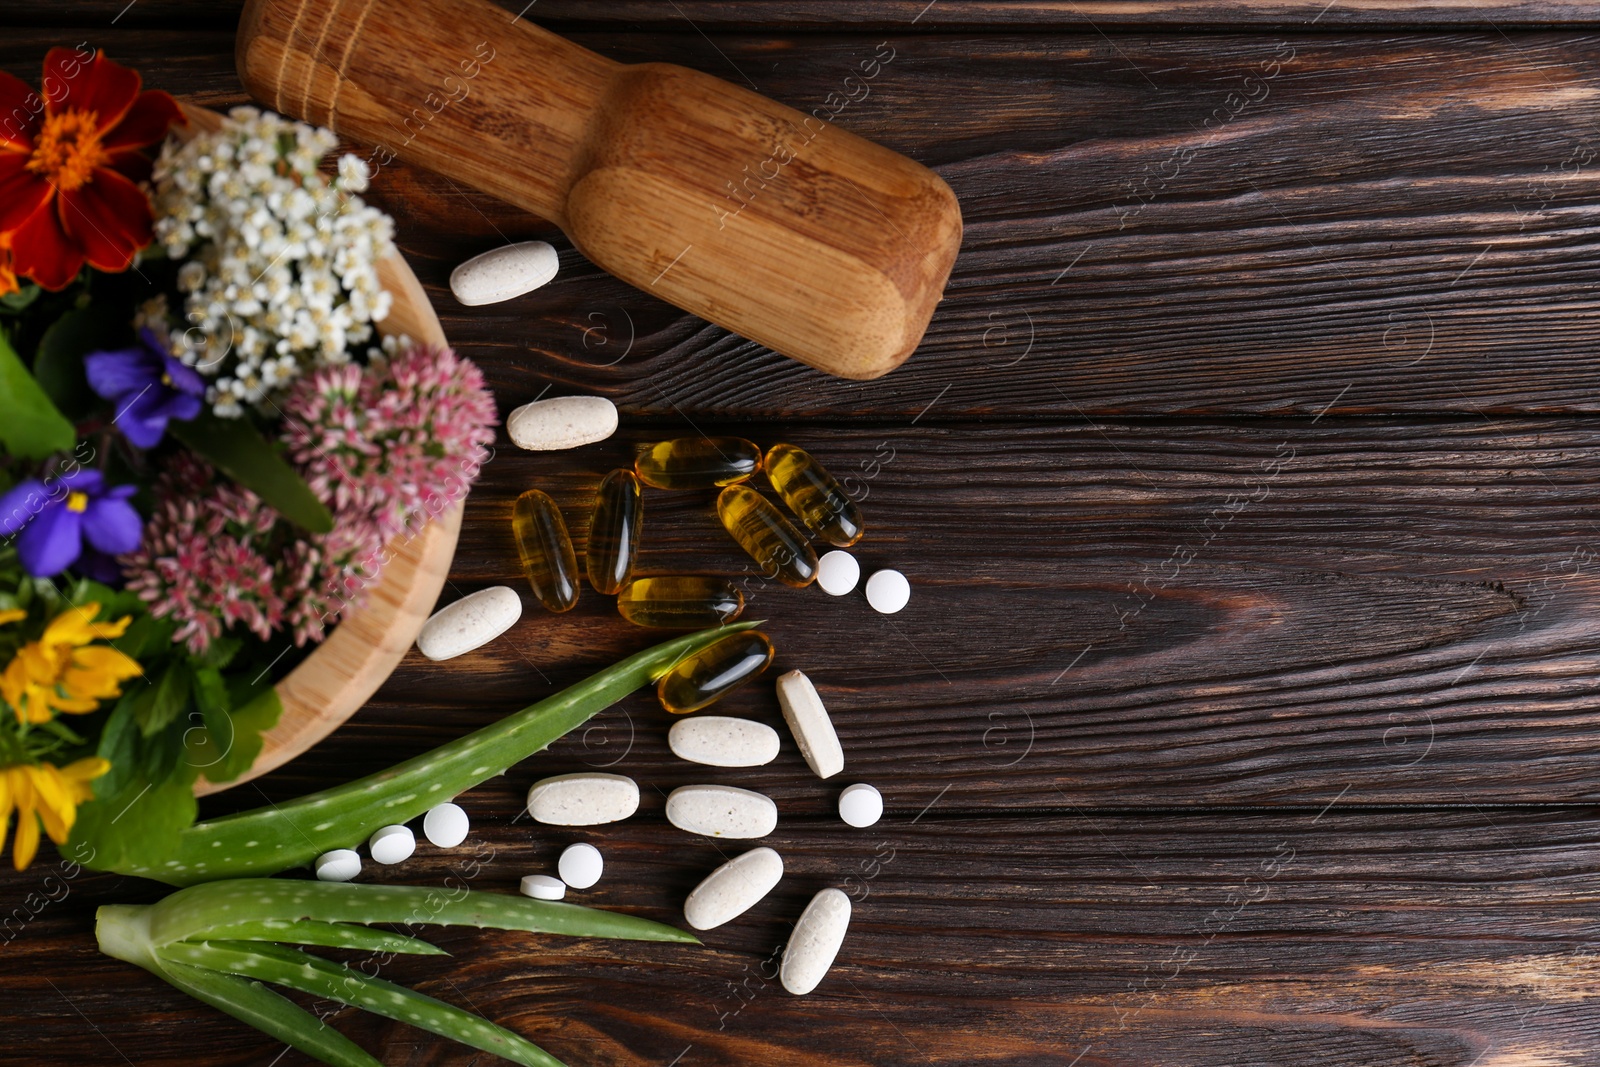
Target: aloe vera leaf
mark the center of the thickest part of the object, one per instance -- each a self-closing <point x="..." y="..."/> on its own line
<point x="329" y="935"/>
<point x="275" y="838"/>
<point x="191" y="913"/>
<point x="312" y="974"/>
<point x="271" y="1013"/>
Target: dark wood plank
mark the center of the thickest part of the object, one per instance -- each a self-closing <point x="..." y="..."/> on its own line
<point x="1105" y="614"/>
<point x="1344" y="939"/>
<point x="920" y="15"/>
<point x="1395" y="225"/>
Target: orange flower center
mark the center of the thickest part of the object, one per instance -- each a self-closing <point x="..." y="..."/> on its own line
<point x="68" y="149"/>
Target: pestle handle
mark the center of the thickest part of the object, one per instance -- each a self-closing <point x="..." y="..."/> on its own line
<point x="773" y="223"/>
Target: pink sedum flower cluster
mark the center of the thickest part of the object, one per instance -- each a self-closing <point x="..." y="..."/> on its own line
<point x="386" y="446"/>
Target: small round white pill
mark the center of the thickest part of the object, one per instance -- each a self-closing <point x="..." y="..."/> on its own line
<point x="392" y="844"/>
<point x="860" y="805"/>
<point x="838" y="572"/>
<point x="340" y="865"/>
<point x="543" y="887"/>
<point x="580" y="865"/>
<point x="888" y="591"/>
<point x="446" y="825"/>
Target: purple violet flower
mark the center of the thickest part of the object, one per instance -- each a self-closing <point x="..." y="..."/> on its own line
<point x="148" y="387"/>
<point x="52" y="521"/>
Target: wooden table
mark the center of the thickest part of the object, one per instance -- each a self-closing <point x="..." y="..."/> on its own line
<point x="1244" y="710"/>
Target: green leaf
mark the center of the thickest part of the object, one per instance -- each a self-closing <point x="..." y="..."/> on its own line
<point x="58" y="363"/>
<point x="330" y="935"/>
<point x="231" y="741"/>
<point x="294" y="969"/>
<point x="237" y="448"/>
<point x="189" y="913"/>
<point x="119" y="745"/>
<point x="139" y="825"/>
<point x="30" y="424"/>
<point x="159" y="704"/>
<point x="12" y="303"/>
<point x="269" y="1012"/>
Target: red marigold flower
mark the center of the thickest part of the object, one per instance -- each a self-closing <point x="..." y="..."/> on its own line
<point x="8" y="276"/>
<point x="70" y="163"/>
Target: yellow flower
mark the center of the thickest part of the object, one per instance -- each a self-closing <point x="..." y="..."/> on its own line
<point x="12" y="615"/>
<point x="63" y="672"/>
<point x="43" y="793"/>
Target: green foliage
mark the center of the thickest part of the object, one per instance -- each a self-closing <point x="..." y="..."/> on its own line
<point x="30" y="424"/>
<point x="58" y="360"/>
<point x="237" y="448"/>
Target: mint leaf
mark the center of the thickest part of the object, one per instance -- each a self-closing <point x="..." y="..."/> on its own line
<point x="30" y="424"/>
<point x="237" y="449"/>
<point x="230" y="743"/>
<point x="160" y="703"/>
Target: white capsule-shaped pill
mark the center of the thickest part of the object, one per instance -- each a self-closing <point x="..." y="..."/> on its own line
<point x="504" y="272"/>
<point x="446" y="825"/>
<point x="721" y="811"/>
<point x="815" y="942"/>
<point x="733" y="889"/>
<point x="723" y="741"/>
<point x="860" y="805"/>
<point x="543" y="887"/>
<point x="838" y="572"/>
<point x="584" y="799"/>
<point x="472" y="621"/>
<point x="808" y="721"/>
<point x="340" y="865"/>
<point x="562" y="422"/>
<point x="888" y="591"/>
<point x="580" y="865"/>
<point x="392" y="844"/>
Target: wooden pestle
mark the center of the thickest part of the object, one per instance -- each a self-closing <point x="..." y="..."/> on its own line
<point x="773" y="223"/>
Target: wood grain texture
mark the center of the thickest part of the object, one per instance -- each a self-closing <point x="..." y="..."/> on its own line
<point x="1392" y="225"/>
<point x="1175" y="852"/>
<point x="1345" y="939"/>
<point x="1107" y="614"/>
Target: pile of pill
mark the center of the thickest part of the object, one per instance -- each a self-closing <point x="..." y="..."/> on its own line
<point x="550" y="565"/>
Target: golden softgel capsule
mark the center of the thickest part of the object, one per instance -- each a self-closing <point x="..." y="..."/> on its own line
<point x="614" y="531"/>
<point x="546" y="551"/>
<point x="770" y="539"/>
<point x="715" y="671"/>
<point x="698" y="462"/>
<point x="680" y="602"/>
<point x="815" y="497"/>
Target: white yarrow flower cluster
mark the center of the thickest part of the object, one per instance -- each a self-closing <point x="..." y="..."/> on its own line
<point x="279" y="263"/>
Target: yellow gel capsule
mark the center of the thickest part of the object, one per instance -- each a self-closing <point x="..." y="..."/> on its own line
<point x="715" y="671"/>
<point x="769" y="538"/>
<point x="680" y="602"/>
<point x="815" y="497"/>
<point x="614" y="531"/>
<point x="698" y="462"/>
<point x="548" y="561"/>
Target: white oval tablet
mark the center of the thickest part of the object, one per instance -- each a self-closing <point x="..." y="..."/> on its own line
<point x="721" y="811"/>
<point x="562" y="422"/>
<point x="543" y="887"/>
<point x="723" y="741"/>
<point x="860" y="805"/>
<point x="580" y="865"/>
<point x="733" y="889"/>
<point x="472" y="621"/>
<point x="446" y="825"/>
<point x="808" y="721"/>
<point x="585" y="799"/>
<point x="838" y="572"/>
<point x="340" y="865"/>
<point x="505" y="272"/>
<point x="392" y="844"/>
<point x="888" y="591"/>
<point x="815" y="941"/>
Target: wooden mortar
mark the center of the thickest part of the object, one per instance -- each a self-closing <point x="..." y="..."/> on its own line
<point x="770" y="222"/>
